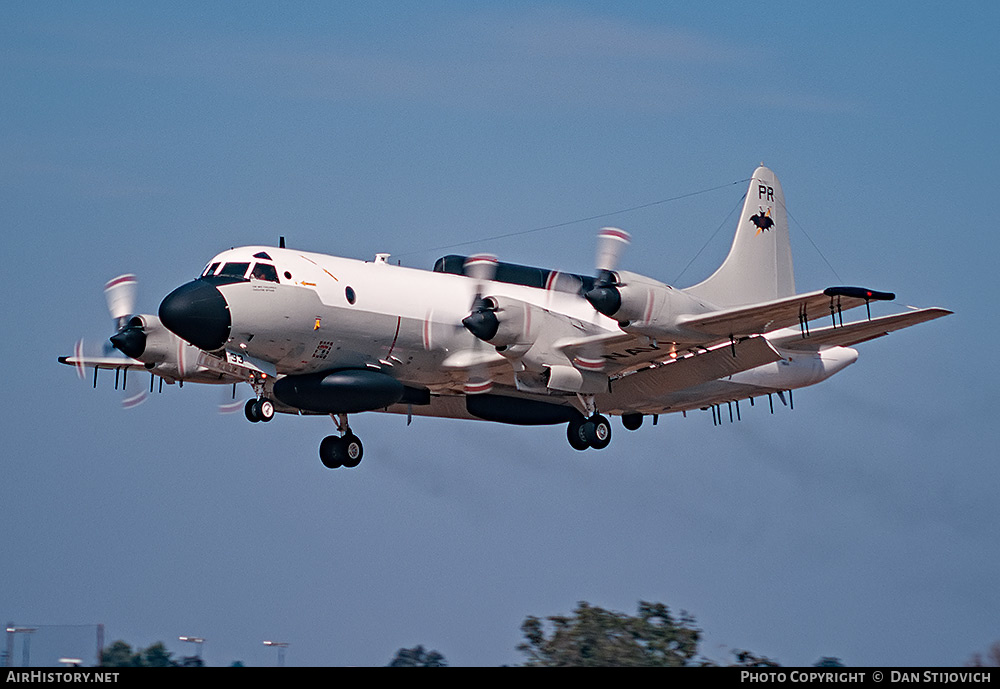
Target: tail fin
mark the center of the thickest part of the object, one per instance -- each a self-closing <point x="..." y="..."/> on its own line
<point x="759" y="265"/>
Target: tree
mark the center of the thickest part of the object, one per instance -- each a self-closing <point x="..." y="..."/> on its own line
<point x="119" y="654"/>
<point x="596" y="637"/>
<point x="157" y="655"/>
<point x="992" y="658"/>
<point x="749" y="659"/>
<point x="418" y="657"/>
<point x="828" y="661"/>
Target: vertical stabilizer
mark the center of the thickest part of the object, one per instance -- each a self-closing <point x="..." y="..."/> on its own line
<point x="759" y="265"/>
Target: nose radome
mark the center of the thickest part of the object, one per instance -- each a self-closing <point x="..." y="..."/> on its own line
<point x="198" y="313"/>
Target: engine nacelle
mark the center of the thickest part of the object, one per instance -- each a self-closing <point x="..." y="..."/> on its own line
<point x="631" y="297"/>
<point x="504" y="322"/>
<point x="339" y="392"/>
<point x="161" y="344"/>
<point x="645" y="306"/>
<point x="144" y="338"/>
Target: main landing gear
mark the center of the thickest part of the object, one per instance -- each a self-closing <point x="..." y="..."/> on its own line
<point x="594" y="431"/>
<point x="344" y="450"/>
<point x="261" y="409"/>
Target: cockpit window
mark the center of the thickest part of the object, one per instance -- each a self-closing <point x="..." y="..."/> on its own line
<point x="264" y="271"/>
<point x="235" y="270"/>
<point x="263" y="254"/>
<point x="211" y="269"/>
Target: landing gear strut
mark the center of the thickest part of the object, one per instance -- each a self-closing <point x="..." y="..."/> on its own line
<point x="344" y="450"/>
<point x="594" y="432"/>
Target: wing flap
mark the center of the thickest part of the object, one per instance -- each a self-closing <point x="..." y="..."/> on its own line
<point x="780" y="313"/>
<point x="695" y="369"/>
<point x="613" y="352"/>
<point x="858" y="332"/>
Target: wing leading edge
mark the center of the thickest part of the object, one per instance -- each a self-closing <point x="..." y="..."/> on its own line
<point x="780" y="313"/>
<point x="857" y="332"/>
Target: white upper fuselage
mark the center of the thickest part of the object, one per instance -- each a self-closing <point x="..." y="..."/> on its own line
<point x="329" y="312"/>
<point x="316" y="312"/>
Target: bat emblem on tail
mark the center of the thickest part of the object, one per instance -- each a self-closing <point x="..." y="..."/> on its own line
<point x="762" y="220"/>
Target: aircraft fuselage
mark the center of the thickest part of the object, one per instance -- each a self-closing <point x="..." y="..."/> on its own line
<point x="305" y="312"/>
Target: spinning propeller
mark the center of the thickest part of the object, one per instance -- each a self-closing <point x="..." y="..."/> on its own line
<point x="482" y="321"/>
<point x="130" y="339"/>
<point x="138" y="336"/>
<point x="605" y="296"/>
<point x="120" y="295"/>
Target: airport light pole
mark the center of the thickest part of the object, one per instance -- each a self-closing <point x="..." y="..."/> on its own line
<point x="195" y="640"/>
<point x="11" y="631"/>
<point x="281" y="646"/>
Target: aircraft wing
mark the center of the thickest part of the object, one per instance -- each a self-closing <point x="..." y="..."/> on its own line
<point x="858" y="332"/>
<point x="694" y="369"/>
<point x="110" y="363"/>
<point x="198" y="367"/>
<point x="754" y="319"/>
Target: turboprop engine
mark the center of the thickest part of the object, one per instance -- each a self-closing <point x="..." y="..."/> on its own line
<point x="143" y="337"/>
<point x="640" y="304"/>
<point x="630" y="297"/>
<point x="503" y="322"/>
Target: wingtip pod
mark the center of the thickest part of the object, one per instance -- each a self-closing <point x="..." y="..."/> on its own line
<point x="759" y="264"/>
<point x="859" y="293"/>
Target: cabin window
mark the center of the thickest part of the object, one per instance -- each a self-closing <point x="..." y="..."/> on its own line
<point x="235" y="270"/>
<point x="264" y="271"/>
<point x="351" y="296"/>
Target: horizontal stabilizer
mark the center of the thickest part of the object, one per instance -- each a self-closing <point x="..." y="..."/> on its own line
<point x="780" y="313"/>
<point x="695" y="369"/>
<point x="858" y="332"/>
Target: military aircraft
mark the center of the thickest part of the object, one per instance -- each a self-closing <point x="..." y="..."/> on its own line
<point x="477" y="338"/>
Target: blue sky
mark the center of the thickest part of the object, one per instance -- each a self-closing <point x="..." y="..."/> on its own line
<point x="147" y="138"/>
